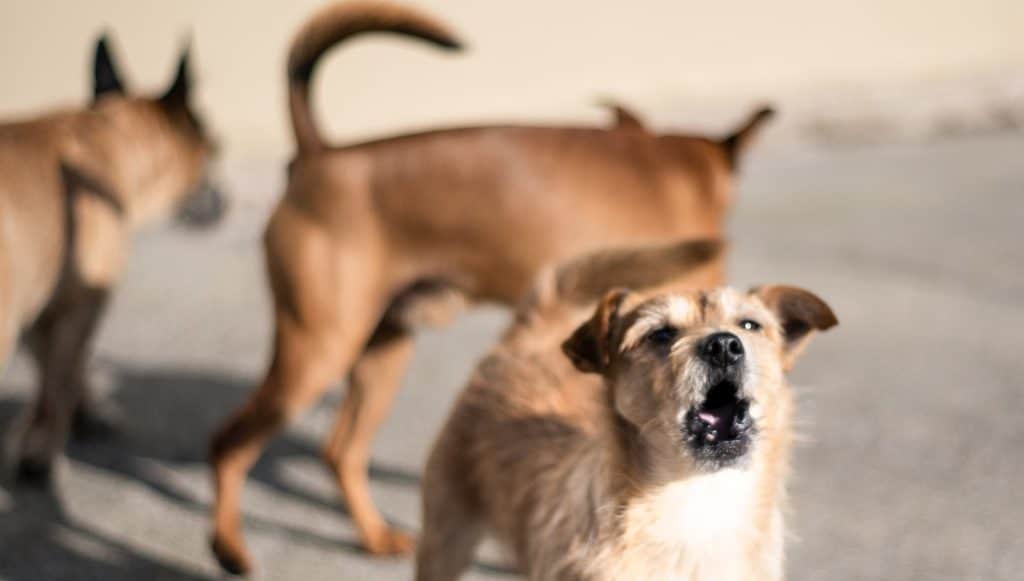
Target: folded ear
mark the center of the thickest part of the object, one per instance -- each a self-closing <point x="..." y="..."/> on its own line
<point x="177" y="92"/>
<point x="105" y="78"/>
<point x="800" y="313"/>
<point x="589" y="348"/>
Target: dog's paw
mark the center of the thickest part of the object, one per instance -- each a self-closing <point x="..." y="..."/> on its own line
<point x="390" y="542"/>
<point x="95" y="423"/>
<point x="232" y="557"/>
<point x="33" y="473"/>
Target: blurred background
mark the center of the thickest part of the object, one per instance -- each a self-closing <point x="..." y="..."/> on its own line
<point x="892" y="184"/>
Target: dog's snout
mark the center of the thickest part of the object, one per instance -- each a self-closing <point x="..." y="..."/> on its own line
<point x="721" y="349"/>
<point x="205" y="207"/>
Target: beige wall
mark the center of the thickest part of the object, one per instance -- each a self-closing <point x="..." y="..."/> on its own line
<point x="527" y="59"/>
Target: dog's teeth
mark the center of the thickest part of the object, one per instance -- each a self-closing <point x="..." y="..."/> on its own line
<point x="755" y="412"/>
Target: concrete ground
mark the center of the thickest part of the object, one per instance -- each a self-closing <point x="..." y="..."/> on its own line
<point x="912" y="410"/>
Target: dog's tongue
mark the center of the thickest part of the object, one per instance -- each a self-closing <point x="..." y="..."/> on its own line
<point x="718" y="418"/>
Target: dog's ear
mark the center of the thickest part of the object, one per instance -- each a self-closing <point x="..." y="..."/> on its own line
<point x="624" y="118"/>
<point x="589" y="348"/>
<point x="800" y="314"/>
<point x="736" y="143"/>
<point x="105" y="78"/>
<point x="177" y="93"/>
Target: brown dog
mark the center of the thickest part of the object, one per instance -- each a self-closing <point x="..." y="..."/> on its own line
<point x="73" y="187"/>
<point x="664" y="459"/>
<point x="370" y="239"/>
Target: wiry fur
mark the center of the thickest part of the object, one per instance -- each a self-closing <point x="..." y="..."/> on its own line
<point x="585" y="476"/>
<point x="373" y="239"/>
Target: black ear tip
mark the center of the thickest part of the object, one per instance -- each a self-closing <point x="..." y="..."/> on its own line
<point x="105" y="76"/>
<point x="185" y="52"/>
<point x="103" y="43"/>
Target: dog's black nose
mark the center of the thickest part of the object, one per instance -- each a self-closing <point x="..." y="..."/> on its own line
<point x="721" y="349"/>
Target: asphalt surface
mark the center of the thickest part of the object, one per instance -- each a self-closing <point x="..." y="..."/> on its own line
<point x="912" y="411"/>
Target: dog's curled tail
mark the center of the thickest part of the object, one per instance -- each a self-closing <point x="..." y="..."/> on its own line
<point x="739" y="140"/>
<point x="587" y="278"/>
<point x="337" y="23"/>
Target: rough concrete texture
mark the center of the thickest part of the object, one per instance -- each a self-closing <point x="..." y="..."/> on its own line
<point x="910" y="467"/>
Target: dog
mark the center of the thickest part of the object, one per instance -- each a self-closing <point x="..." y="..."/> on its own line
<point x="650" y="444"/>
<point x="372" y="240"/>
<point x="74" y="185"/>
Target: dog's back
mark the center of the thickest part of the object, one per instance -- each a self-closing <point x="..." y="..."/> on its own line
<point x="484" y="208"/>
<point x="31" y="202"/>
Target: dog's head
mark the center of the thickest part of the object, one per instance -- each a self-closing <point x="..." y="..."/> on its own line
<point x="699" y="374"/>
<point x="170" y="153"/>
<point x="714" y="163"/>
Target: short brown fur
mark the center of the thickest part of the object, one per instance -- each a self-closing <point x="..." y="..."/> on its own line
<point x="366" y="234"/>
<point x="74" y="185"/>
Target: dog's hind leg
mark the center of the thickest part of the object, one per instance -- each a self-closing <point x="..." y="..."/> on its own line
<point x="59" y="344"/>
<point x="373" y="383"/>
<point x="324" y="316"/>
<point x="305" y="363"/>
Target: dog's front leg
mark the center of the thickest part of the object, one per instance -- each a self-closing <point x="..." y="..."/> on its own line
<point x="59" y="344"/>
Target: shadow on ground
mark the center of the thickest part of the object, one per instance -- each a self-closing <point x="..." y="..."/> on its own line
<point x="169" y="417"/>
<point x="42" y="542"/>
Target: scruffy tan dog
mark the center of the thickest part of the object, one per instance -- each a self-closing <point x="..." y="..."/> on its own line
<point x="656" y="450"/>
<point x="74" y="185"/>
<point x="374" y="238"/>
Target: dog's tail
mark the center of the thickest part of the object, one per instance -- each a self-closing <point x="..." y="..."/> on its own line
<point x="587" y="278"/>
<point x="739" y="140"/>
<point x="337" y="23"/>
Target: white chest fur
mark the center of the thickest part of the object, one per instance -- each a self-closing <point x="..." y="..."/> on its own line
<point x="693" y="530"/>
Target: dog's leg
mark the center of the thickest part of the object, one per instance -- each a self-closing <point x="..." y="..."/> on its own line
<point x="92" y="420"/>
<point x="60" y="347"/>
<point x="306" y="361"/>
<point x="451" y="526"/>
<point x="373" y="383"/>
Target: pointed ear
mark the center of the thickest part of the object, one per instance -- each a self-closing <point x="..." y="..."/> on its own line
<point x="800" y="314"/>
<point x="624" y="117"/>
<point x="589" y="348"/>
<point x="739" y="140"/>
<point x="105" y="78"/>
<point x="177" y="92"/>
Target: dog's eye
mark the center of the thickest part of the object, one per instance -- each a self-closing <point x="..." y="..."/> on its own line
<point x="749" y="325"/>
<point x="662" y="336"/>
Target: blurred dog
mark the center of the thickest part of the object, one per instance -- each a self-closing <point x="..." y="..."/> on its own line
<point x="73" y="186"/>
<point x="371" y="240"/>
<point x="664" y="459"/>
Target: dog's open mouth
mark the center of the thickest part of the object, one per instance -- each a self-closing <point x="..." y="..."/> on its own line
<point x="719" y="428"/>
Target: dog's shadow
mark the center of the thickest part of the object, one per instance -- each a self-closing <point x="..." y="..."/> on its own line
<point x="40" y="541"/>
<point x="169" y="417"/>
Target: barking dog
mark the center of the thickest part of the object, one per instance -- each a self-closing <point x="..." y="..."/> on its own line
<point x="656" y="450"/>
<point x="73" y="187"/>
<point x="370" y="237"/>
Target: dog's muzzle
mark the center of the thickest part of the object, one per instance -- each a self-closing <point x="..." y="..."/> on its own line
<point x="719" y="428"/>
<point x="204" y="208"/>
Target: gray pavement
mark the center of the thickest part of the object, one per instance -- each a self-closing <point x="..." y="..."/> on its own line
<point x="912" y="411"/>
